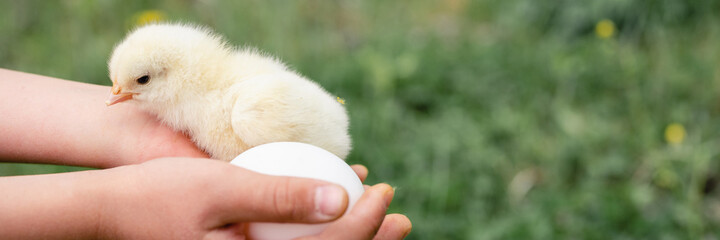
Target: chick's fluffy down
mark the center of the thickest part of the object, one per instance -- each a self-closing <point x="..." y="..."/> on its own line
<point x="228" y="100"/>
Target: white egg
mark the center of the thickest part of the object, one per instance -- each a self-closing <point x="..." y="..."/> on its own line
<point x="297" y="160"/>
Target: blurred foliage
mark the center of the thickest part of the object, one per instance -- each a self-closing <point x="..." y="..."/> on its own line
<point x="514" y="119"/>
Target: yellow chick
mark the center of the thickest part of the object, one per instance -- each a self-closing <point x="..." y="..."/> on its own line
<point x="226" y="99"/>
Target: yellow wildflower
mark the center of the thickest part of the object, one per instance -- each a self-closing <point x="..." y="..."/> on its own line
<point x="341" y="101"/>
<point x="675" y="133"/>
<point x="149" y="16"/>
<point x="605" y="29"/>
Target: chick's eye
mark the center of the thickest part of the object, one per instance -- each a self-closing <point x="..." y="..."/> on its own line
<point x="143" y="79"/>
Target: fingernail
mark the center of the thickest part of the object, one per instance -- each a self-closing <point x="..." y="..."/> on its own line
<point x="389" y="196"/>
<point x="329" y="201"/>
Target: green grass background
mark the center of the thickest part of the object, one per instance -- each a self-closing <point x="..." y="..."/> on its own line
<point x="452" y="100"/>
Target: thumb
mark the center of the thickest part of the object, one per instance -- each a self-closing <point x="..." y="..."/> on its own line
<point x="265" y="198"/>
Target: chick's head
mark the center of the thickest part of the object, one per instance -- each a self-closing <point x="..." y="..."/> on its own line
<point x="158" y="65"/>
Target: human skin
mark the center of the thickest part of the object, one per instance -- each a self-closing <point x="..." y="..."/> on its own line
<point x="53" y="121"/>
<point x="64" y="122"/>
<point x="181" y="198"/>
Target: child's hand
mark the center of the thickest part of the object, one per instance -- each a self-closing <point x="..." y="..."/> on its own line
<point x="183" y="198"/>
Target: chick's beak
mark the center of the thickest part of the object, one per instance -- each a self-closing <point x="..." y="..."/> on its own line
<point x="118" y="95"/>
<point x="116" y="88"/>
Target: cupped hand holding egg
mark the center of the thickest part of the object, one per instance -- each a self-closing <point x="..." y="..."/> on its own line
<point x="297" y="160"/>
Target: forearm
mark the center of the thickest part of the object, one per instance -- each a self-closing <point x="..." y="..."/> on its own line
<point x="55" y="121"/>
<point x="56" y="206"/>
